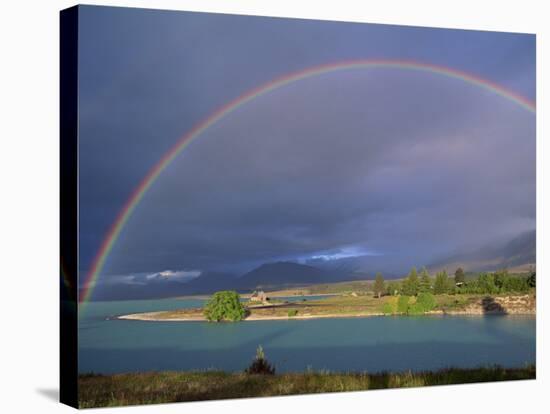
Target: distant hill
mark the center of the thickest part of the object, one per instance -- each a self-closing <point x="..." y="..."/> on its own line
<point x="516" y="254"/>
<point x="209" y="282"/>
<point x="127" y="291"/>
<point x="365" y="267"/>
<point x="272" y="275"/>
<point x="281" y="274"/>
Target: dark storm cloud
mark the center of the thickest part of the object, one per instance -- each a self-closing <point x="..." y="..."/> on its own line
<point x="379" y="169"/>
<point x="403" y="164"/>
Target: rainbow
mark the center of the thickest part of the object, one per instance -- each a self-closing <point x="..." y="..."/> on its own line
<point x="140" y="191"/>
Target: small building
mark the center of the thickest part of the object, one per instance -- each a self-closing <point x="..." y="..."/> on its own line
<point x="258" y="296"/>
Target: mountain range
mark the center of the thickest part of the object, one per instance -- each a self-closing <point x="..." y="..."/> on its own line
<point x="517" y="254"/>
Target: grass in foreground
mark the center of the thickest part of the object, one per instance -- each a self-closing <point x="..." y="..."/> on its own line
<point x="166" y="387"/>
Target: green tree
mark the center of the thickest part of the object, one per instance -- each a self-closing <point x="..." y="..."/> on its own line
<point x="224" y="305"/>
<point x="441" y="284"/>
<point x="460" y="278"/>
<point x="260" y="365"/>
<point x="378" y="285"/>
<point x="393" y="288"/>
<point x="503" y="281"/>
<point x="411" y="284"/>
<point x="425" y="282"/>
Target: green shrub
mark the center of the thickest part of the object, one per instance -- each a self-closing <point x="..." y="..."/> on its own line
<point x="292" y="312"/>
<point x="403" y="304"/>
<point x="224" y="305"/>
<point x="387" y="309"/>
<point x="426" y="301"/>
<point x="486" y="283"/>
<point x="415" y="309"/>
<point x="390" y="306"/>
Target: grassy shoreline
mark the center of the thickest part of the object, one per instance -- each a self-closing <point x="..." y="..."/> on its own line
<point x="171" y="386"/>
<point x="356" y="306"/>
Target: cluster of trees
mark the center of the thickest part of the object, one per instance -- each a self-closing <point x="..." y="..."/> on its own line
<point x="498" y="282"/>
<point x="485" y="283"/>
<point x="413" y="285"/>
<point x="410" y="305"/>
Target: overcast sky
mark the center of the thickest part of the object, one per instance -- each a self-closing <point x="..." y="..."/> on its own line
<point x="389" y="163"/>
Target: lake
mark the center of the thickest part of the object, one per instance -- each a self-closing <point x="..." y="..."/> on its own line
<point x="344" y="344"/>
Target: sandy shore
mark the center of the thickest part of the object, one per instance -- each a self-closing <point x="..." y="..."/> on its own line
<point x="153" y="316"/>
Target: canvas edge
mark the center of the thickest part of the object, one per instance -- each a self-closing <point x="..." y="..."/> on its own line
<point x="68" y="118"/>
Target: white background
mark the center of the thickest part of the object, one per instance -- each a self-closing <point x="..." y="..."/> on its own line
<point x="29" y="206"/>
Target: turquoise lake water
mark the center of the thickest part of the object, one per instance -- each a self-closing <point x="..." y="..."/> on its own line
<point x="344" y="344"/>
